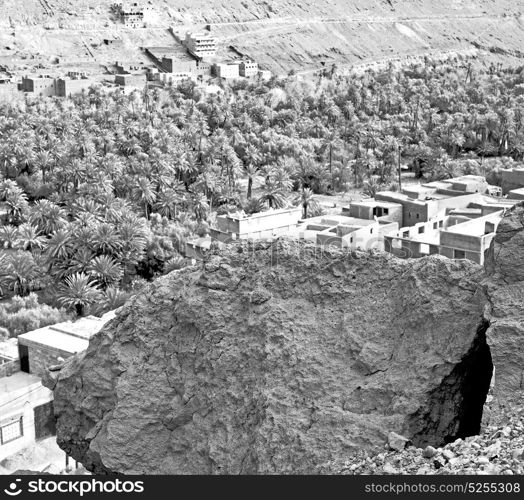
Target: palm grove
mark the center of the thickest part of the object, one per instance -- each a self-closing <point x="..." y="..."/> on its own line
<point x="101" y="190"/>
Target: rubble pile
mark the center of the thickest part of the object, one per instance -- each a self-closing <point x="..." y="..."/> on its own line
<point x="498" y="449"/>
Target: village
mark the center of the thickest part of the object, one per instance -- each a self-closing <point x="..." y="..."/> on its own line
<point x="456" y="218"/>
<point x="192" y="56"/>
<point x="155" y="155"/>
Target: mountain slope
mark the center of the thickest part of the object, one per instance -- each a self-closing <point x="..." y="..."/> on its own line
<point x="281" y="35"/>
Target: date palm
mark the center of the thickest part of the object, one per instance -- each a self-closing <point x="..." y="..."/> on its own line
<point x="105" y="239"/>
<point x="8" y="236"/>
<point x="144" y="192"/>
<point x="28" y="238"/>
<point x="22" y="273"/>
<point x="200" y="207"/>
<point x="59" y="245"/>
<point x="77" y="292"/>
<point x="111" y="298"/>
<point x="105" y="270"/>
<point x="47" y="216"/>
<point x="308" y="201"/>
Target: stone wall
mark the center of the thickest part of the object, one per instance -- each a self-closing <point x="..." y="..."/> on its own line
<point x="41" y="357"/>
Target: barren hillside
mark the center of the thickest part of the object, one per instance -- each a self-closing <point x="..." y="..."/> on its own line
<point x="281" y="35"/>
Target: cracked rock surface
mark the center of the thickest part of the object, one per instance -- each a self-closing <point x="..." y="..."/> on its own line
<point x="276" y="359"/>
<point x="505" y="286"/>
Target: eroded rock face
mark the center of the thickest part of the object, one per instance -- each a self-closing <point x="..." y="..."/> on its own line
<point x="277" y="361"/>
<point x="505" y="287"/>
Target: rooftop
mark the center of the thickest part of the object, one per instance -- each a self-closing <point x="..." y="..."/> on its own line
<point x="375" y="203"/>
<point x="335" y="220"/>
<point x="173" y="51"/>
<point x="68" y="336"/>
<point x="267" y="213"/>
<point x="18" y="383"/>
<point x="49" y="337"/>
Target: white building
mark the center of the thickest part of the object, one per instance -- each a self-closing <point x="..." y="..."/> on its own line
<point x="201" y="45"/>
<point x="248" y="68"/>
<point x="26" y="406"/>
<point x="227" y="70"/>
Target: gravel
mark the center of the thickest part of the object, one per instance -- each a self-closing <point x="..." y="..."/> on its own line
<point x="498" y="449"/>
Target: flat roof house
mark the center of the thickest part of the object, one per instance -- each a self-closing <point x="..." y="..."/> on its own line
<point x="262" y="225"/>
<point x="227" y="70"/>
<point x="454" y="236"/>
<point x="43" y="347"/>
<point x="346" y="232"/>
<point x="42" y="86"/>
<point x="136" y="80"/>
<point x="201" y="45"/>
<point x="26" y="406"/>
<point x="248" y="68"/>
<point x="26" y="412"/>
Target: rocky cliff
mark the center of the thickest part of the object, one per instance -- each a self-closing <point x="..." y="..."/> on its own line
<point x="279" y="360"/>
<point x="505" y="286"/>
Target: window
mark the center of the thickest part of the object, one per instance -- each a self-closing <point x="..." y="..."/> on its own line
<point x="441" y="223"/>
<point x="11" y="431"/>
<point x="418" y="216"/>
<point x="421" y="229"/>
<point x="435" y="225"/>
<point x="386" y="211"/>
<point x="371" y="231"/>
<point x="459" y="254"/>
<point x="405" y="234"/>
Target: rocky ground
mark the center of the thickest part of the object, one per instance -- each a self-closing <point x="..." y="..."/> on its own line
<point x="498" y="449"/>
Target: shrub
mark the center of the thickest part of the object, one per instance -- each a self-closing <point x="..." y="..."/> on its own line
<point x="24" y="314"/>
<point x="316" y="210"/>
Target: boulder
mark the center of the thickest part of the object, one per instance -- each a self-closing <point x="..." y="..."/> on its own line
<point x="429" y="452"/>
<point x="194" y="376"/>
<point x="397" y="442"/>
<point x="505" y="287"/>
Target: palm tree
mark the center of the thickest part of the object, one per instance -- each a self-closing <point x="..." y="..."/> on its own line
<point x="59" y="245"/>
<point x="370" y="188"/>
<point x="200" y="207"/>
<point x="308" y="201"/>
<point x="251" y="172"/>
<point x="145" y="193"/>
<point x="105" y="270"/>
<point x="111" y="298"/>
<point x="8" y="235"/>
<point x="105" y="239"/>
<point x="78" y="291"/>
<point x="27" y="237"/>
<point x="273" y="195"/>
<point x="47" y="216"/>
<point x="167" y="202"/>
<point x="44" y="160"/>
<point x="22" y="273"/>
<point x="17" y="204"/>
<point x="80" y="260"/>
